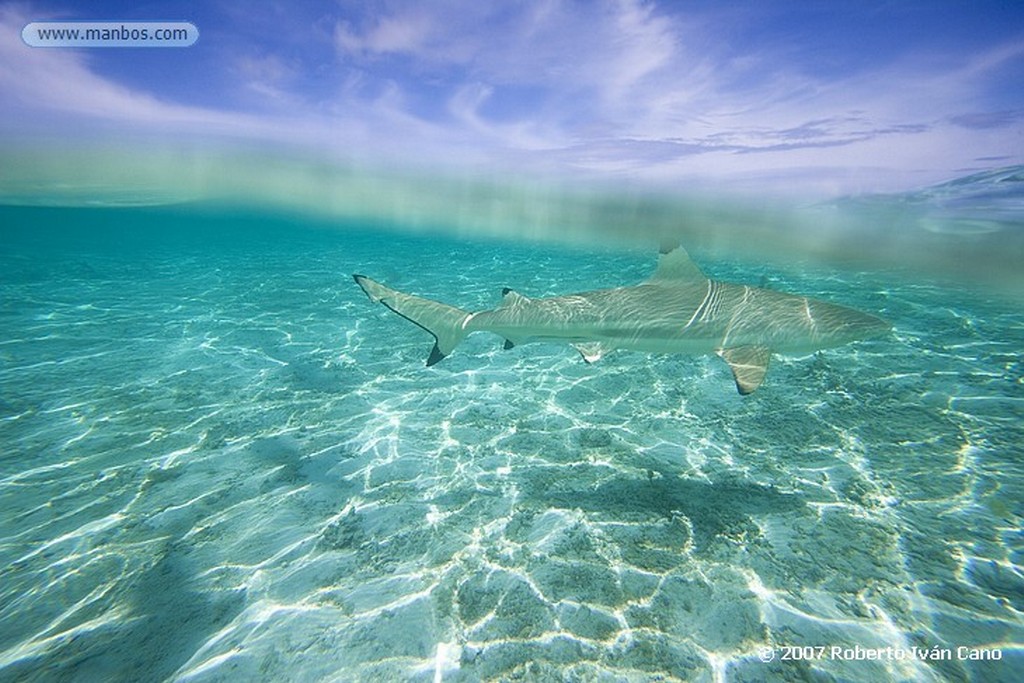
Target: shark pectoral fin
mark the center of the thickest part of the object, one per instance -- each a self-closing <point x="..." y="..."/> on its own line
<point x="592" y="351"/>
<point x="748" y="364"/>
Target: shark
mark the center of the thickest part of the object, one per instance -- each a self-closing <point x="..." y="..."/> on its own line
<point x="678" y="309"/>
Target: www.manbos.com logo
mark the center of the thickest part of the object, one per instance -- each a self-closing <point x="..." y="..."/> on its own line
<point x="110" y="34"/>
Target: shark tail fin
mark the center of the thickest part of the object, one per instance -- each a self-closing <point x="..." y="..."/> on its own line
<point x="446" y="323"/>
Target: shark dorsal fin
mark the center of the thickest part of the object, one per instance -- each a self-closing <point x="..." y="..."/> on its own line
<point x="510" y="297"/>
<point x="675" y="265"/>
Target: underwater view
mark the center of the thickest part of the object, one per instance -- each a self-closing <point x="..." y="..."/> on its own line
<point x="613" y="341"/>
<point x="224" y="462"/>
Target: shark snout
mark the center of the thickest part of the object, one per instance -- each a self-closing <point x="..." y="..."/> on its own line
<point x="865" y="325"/>
<point x="875" y="326"/>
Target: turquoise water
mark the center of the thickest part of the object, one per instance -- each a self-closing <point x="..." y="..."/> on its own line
<point x="222" y="462"/>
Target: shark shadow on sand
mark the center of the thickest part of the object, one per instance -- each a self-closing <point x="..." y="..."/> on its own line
<point x="713" y="509"/>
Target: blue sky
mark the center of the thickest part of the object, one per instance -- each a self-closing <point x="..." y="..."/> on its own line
<point x="822" y="97"/>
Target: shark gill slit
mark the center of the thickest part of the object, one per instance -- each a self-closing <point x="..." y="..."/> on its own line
<point x="714" y="302"/>
<point x="703" y="303"/>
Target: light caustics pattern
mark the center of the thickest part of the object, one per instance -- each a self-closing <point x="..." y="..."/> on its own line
<point x="221" y="462"/>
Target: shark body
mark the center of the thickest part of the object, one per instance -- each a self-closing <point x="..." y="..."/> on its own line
<point x="677" y="310"/>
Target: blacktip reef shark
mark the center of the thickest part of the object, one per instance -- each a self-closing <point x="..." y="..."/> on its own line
<point x="677" y="310"/>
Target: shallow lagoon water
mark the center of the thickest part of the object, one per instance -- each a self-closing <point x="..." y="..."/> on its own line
<point x="222" y="462"/>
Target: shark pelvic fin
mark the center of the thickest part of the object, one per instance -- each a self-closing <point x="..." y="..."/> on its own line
<point x="674" y="266"/>
<point x="748" y="364"/>
<point x="592" y="351"/>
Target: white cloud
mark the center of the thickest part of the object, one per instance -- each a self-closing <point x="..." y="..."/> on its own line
<point x="623" y="88"/>
<point x="270" y="77"/>
<point x="62" y="80"/>
<point x="399" y="34"/>
<point x="641" y="43"/>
